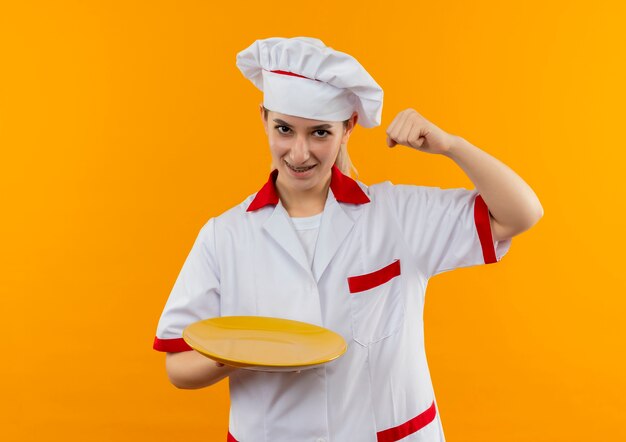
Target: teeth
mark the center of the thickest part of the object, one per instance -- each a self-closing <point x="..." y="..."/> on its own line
<point x="299" y="169"/>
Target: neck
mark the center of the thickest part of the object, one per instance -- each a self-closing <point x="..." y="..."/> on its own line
<point x="303" y="203"/>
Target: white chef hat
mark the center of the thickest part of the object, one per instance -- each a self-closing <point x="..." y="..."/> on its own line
<point x="301" y="76"/>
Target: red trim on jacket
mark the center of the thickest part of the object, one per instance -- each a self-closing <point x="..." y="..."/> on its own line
<point x="345" y="189"/>
<point x="483" y="227"/>
<point x="361" y="283"/>
<point x="395" y="433"/>
<point x="409" y="427"/>
<point x="171" y="345"/>
<point x="267" y="195"/>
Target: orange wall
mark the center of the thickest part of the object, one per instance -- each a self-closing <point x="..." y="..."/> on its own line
<point x="125" y="125"/>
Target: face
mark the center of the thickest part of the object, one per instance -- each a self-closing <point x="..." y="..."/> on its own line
<point x="304" y="150"/>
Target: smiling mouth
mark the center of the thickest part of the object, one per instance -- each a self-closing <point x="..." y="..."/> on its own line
<point x="299" y="169"/>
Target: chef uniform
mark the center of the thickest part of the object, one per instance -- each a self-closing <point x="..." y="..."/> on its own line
<point x="364" y="277"/>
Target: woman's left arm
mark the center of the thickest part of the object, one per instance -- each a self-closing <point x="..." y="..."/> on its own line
<point x="513" y="205"/>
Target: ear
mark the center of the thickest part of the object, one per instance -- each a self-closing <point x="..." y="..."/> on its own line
<point x="263" y="118"/>
<point x="351" y="124"/>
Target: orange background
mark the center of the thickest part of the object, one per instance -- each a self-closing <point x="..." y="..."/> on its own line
<point x="124" y="126"/>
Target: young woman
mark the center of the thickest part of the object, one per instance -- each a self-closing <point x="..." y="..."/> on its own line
<point x="314" y="245"/>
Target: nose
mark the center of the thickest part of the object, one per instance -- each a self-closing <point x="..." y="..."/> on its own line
<point x="299" y="153"/>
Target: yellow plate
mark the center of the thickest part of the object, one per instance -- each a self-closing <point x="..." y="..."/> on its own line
<point x="262" y="343"/>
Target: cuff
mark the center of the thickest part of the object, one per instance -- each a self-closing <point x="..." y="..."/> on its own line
<point x="171" y="345"/>
<point x="492" y="252"/>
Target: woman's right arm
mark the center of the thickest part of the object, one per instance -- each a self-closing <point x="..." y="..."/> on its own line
<point x="191" y="370"/>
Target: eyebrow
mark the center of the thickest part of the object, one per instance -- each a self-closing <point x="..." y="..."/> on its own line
<point x="319" y="126"/>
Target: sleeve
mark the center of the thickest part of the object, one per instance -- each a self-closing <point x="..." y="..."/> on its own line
<point x="195" y="295"/>
<point x="446" y="228"/>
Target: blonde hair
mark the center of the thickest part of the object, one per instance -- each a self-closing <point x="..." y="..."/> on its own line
<point x="343" y="161"/>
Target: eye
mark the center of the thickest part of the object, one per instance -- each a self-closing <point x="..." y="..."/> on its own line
<point x="282" y="127"/>
<point x="324" y="133"/>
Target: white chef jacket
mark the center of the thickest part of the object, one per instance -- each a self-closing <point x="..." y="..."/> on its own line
<point x="377" y="247"/>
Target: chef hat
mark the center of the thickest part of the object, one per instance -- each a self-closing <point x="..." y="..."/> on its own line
<point x="301" y="76"/>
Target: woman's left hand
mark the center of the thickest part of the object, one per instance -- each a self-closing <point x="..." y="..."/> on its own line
<point x="410" y="129"/>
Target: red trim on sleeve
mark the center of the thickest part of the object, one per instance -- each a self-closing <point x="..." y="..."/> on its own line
<point x="409" y="427"/>
<point x="483" y="227"/>
<point x="171" y="345"/>
<point x="230" y="438"/>
<point x="370" y="280"/>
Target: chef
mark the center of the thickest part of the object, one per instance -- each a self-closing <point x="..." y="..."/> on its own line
<point x="315" y="245"/>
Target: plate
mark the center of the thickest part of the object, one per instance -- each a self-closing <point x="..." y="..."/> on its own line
<point x="263" y="343"/>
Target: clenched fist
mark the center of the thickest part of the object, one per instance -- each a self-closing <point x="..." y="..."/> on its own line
<point x="410" y="129"/>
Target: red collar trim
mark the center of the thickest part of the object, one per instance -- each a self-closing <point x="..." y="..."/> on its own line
<point x="344" y="188"/>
